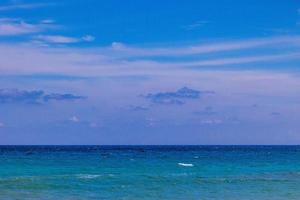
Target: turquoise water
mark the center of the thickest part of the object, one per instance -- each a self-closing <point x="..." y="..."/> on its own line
<point x="150" y="172"/>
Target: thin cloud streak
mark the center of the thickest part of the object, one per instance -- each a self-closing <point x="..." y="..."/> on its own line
<point x="30" y="59"/>
<point x="244" y="60"/>
<point x="23" y="6"/>
<point x="195" y="25"/>
<point x="57" y="39"/>
<point x="204" y="48"/>
<point x="63" y="39"/>
<point x="10" y="27"/>
<point x="15" y="27"/>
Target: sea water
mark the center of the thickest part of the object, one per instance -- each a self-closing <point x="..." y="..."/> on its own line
<point x="150" y="172"/>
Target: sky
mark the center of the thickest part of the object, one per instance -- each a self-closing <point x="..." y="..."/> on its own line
<point x="149" y="72"/>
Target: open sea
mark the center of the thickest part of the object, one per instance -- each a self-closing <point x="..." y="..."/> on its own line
<point x="150" y="172"/>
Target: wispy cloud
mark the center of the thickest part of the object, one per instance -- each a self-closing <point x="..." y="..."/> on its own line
<point x="16" y="6"/>
<point x="33" y="96"/>
<point x="205" y="48"/>
<point x="206" y="111"/>
<point x="57" y="39"/>
<point x="211" y="121"/>
<point x="74" y="119"/>
<point x="47" y="21"/>
<point x="63" y="39"/>
<point x="138" y="108"/>
<point x="9" y="27"/>
<point x="88" y="38"/>
<point x="178" y="97"/>
<point x="195" y="25"/>
<point x="61" y="97"/>
<point x="244" y="60"/>
<point x="16" y="27"/>
<point x="77" y="121"/>
<point x="119" y="59"/>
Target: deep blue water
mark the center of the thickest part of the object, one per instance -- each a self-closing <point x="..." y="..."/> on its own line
<point x="150" y="172"/>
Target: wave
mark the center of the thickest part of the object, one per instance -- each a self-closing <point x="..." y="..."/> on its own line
<point x="88" y="176"/>
<point x="186" y="164"/>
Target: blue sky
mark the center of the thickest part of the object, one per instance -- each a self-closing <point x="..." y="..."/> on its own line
<point x="149" y="72"/>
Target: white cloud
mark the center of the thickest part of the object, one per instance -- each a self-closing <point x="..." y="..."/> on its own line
<point x="211" y="121"/>
<point x="195" y="25"/>
<point x="151" y="122"/>
<point x="60" y="39"/>
<point x="9" y="27"/>
<point x="74" y="119"/>
<point x="17" y="6"/>
<point x="47" y="21"/>
<point x="88" y="38"/>
<point x="116" y="59"/>
<point x="16" y="26"/>
<point x="118" y="46"/>
<point x="57" y="39"/>
<point x="205" y="48"/>
<point x="244" y="60"/>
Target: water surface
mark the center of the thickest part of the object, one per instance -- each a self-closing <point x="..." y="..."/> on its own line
<point x="150" y="172"/>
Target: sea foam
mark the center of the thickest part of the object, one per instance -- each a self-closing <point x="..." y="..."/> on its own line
<point x="88" y="176"/>
<point x="186" y="164"/>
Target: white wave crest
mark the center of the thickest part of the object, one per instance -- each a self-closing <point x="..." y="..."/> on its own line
<point x="88" y="176"/>
<point x="186" y="164"/>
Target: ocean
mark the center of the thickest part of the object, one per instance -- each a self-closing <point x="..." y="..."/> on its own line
<point x="150" y="172"/>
